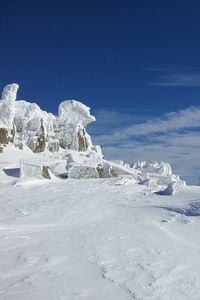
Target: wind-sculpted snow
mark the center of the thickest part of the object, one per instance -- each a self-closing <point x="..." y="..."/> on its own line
<point x="192" y="210"/>
<point x="97" y="239"/>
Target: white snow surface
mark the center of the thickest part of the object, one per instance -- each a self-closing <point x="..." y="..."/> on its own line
<point x="95" y="239"/>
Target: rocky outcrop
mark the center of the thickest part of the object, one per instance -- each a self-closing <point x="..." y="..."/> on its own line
<point x="45" y="172"/>
<point x="3" y="136"/>
<point x="41" y="143"/>
<point x="63" y="137"/>
<point x="27" y="124"/>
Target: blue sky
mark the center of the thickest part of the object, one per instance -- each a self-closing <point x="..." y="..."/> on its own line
<point x="135" y="63"/>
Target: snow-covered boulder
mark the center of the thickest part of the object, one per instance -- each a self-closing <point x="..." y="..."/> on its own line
<point x="156" y="173"/>
<point x="173" y="188"/>
<point x="83" y="172"/>
<point x="155" y="167"/>
<point x="30" y="170"/>
<point x="113" y="169"/>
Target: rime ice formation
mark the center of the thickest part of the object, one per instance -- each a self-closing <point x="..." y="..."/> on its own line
<point x="156" y="173"/>
<point x="158" y="167"/>
<point x="74" y="116"/>
<point x="7" y="105"/>
<point x="65" y="143"/>
<point x="42" y="131"/>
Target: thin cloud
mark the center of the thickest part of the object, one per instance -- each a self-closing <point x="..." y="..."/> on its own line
<point x="174" y="121"/>
<point x="181" y="151"/>
<point x="174" y="138"/>
<point x="176" y="79"/>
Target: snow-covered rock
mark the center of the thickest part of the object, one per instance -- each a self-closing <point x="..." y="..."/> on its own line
<point x="113" y="169"/>
<point x="73" y="117"/>
<point x="27" y="124"/>
<point x="156" y="173"/>
<point x="30" y="170"/>
<point x="155" y="167"/>
<point x="174" y="187"/>
<point x="10" y="92"/>
<point x="63" y="137"/>
<point x="83" y="172"/>
<point x="7" y="105"/>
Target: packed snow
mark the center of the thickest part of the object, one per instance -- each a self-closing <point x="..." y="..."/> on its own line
<point x="97" y="239"/>
<point x="74" y="225"/>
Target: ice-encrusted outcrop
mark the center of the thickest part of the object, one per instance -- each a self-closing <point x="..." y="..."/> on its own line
<point x="154" y="167"/>
<point x="74" y="116"/>
<point x="26" y="124"/>
<point x="7" y="105"/>
<point x="64" y="139"/>
<point x="64" y="136"/>
<point x="154" y="173"/>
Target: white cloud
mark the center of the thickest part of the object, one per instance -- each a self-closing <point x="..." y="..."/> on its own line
<point x="173" y="121"/>
<point x="174" y="137"/>
<point x="172" y="77"/>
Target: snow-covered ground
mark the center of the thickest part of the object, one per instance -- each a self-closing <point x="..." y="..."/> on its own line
<point x="97" y="239"/>
<point x="120" y="237"/>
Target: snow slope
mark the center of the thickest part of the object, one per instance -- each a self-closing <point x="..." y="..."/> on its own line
<point x="114" y="237"/>
<point x="107" y="239"/>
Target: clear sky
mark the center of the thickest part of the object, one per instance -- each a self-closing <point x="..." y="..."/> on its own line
<point x="132" y="62"/>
